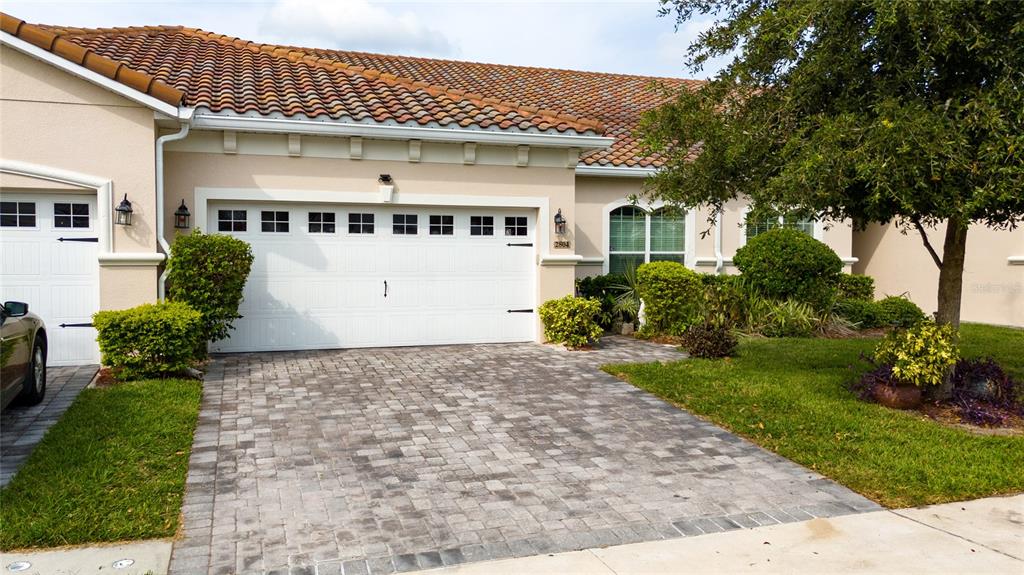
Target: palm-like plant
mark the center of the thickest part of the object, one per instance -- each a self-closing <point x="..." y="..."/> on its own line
<point x="627" y="298"/>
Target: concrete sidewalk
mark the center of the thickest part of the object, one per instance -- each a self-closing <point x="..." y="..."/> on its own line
<point x="982" y="536"/>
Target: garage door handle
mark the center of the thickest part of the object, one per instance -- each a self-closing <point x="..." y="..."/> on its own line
<point x="385" y="288"/>
<point x="76" y="325"/>
<point x="520" y="311"/>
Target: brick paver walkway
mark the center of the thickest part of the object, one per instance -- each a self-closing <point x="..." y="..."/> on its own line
<point x="385" y="460"/>
<point x="21" y="427"/>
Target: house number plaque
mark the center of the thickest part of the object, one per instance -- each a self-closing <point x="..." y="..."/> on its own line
<point x="562" y="244"/>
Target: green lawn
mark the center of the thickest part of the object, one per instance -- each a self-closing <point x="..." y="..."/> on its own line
<point x="790" y="396"/>
<point x="113" y="468"/>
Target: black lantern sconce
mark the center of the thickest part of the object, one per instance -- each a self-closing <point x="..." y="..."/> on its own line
<point x="123" y="212"/>
<point x="559" y="223"/>
<point x="181" y="216"/>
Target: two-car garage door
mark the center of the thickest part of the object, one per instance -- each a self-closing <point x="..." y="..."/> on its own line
<point x="328" y="276"/>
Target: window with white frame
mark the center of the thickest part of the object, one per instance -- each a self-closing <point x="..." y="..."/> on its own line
<point x="21" y="215"/>
<point x="404" y="224"/>
<point x="231" y="220"/>
<point x="636" y="236"/>
<point x="481" y="225"/>
<point x="70" y="215"/>
<point x="442" y="225"/>
<point x="360" y="223"/>
<point x="321" y="222"/>
<point x="760" y="222"/>
<point x="274" y="221"/>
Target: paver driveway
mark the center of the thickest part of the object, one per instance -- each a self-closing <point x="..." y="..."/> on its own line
<point x="389" y="460"/>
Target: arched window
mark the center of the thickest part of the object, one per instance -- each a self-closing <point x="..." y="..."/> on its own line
<point x="636" y="237"/>
<point x="759" y="224"/>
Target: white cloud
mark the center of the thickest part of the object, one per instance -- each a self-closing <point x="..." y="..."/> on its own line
<point x="352" y="25"/>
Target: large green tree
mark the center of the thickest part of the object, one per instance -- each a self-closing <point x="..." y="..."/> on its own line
<point x="875" y="110"/>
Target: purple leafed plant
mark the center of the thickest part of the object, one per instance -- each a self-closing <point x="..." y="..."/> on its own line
<point x="984" y="393"/>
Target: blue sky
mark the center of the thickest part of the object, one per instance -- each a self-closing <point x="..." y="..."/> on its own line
<point x="613" y="36"/>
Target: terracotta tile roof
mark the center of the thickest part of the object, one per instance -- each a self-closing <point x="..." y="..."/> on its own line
<point x="91" y="59"/>
<point x="225" y="74"/>
<point x="616" y="100"/>
<point x="230" y="75"/>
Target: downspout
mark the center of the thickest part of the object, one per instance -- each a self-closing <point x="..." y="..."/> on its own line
<point x="179" y="135"/>
<point x="719" y="260"/>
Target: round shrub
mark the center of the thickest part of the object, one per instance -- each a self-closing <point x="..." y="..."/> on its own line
<point x="209" y="272"/>
<point x="864" y="314"/>
<point x="920" y="355"/>
<point x="709" y="341"/>
<point x="898" y="311"/>
<point x="788" y="264"/>
<point x="670" y="293"/>
<point x="570" y="320"/>
<point x="151" y="340"/>
<point x="858" y="287"/>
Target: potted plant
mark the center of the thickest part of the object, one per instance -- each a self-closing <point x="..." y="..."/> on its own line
<point x="914" y="360"/>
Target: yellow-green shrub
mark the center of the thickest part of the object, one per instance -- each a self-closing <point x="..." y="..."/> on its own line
<point x="921" y="355"/>
<point x="671" y="294"/>
<point x="571" y="320"/>
<point x="151" y="340"/>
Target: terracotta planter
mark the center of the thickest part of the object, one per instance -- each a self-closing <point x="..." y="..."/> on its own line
<point x="901" y="397"/>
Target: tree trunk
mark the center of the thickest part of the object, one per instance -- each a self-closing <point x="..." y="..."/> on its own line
<point x="951" y="284"/>
<point x="951" y="273"/>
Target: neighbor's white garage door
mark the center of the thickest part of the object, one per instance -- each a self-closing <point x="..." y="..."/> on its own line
<point x="48" y="259"/>
<point x="328" y="276"/>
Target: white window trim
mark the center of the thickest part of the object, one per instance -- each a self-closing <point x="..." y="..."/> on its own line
<point x="690" y="221"/>
<point x="817" y="233"/>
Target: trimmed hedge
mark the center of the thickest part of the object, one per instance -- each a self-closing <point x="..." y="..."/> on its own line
<point x="788" y="264"/>
<point x="860" y="312"/>
<point x="898" y="311"/>
<point x="858" y="287"/>
<point x="570" y="320"/>
<point x="671" y="294"/>
<point x="208" y="272"/>
<point x="149" y="341"/>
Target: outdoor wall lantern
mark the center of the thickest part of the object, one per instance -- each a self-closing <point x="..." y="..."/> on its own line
<point x="124" y="212"/>
<point x="181" y="216"/>
<point x="559" y="223"/>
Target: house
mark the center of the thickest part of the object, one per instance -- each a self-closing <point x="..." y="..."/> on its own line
<point x="389" y="200"/>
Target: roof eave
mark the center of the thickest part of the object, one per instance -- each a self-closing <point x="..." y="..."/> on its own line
<point x="31" y="50"/>
<point x="212" y="121"/>
<point x="615" y="171"/>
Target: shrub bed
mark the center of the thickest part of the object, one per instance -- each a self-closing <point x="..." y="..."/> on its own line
<point x="605" y="289"/>
<point x="856" y="287"/>
<point x="149" y="341"/>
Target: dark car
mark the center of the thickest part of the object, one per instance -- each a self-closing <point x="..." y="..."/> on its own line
<point x="22" y="355"/>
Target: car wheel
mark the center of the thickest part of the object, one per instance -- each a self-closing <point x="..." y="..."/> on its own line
<point x="35" y="379"/>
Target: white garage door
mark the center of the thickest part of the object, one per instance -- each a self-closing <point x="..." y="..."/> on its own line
<point x="48" y="259"/>
<point x="330" y="276"/>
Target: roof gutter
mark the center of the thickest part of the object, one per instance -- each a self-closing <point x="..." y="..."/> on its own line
<point x="161" y="286"/>
<point x="206" y="121"/>
<point x="615" y="171"/>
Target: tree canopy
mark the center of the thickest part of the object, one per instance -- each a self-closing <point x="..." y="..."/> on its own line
<point x="909" y="111"/>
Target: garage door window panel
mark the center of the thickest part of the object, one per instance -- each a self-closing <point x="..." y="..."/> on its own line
<point x="442" y="225"/>
<point x="481" y="225"/>
<point x="70" y="215"/>
<point x="274" y="221"/>
<point x="19" y="215"/>
<point x="360" y="223"/>
<point x="232" y="220"/>
<point x="405" y="224"/>
<point x="321" y="222"/>
<point x="515" y="226"/>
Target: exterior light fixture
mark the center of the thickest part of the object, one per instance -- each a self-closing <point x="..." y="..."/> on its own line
<point x="124" y="212"/>
<point x="559" y="223"/>
<point x="386" y="186"/>
<point x="181" y="216"/>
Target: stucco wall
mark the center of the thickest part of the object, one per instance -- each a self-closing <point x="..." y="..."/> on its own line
<point x="53" y="119"/>
<point x="993" y="289"/>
